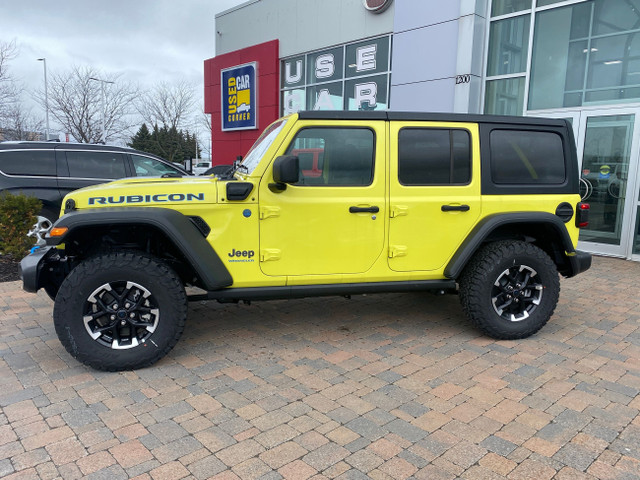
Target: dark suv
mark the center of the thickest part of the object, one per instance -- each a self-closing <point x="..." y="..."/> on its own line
<point x="49" y="171"/>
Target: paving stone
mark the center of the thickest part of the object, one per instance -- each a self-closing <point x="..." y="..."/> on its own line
<point x="366" y="428"/>
<point x="281" y="390"/>
<point x="498" y="445"/>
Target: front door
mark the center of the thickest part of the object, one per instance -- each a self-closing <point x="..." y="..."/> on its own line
<point x="332" y="221"/>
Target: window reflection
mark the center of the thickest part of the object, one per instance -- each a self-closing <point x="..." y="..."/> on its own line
<point x="596" y="60"/>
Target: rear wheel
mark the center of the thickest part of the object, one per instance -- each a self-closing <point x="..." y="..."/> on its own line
<point x="120" y="311"/>
<point x="510" y="289"/>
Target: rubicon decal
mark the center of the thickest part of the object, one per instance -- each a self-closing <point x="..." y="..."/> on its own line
<point x="158" y="198"/>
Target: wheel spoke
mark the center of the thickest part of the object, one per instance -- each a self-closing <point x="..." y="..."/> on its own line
<point x="515" y="293"/>
<point x="134" y="318"/>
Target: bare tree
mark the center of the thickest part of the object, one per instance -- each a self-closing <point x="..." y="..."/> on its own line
<point x="75" y="101"/>
<point x="21" y="124"/>
<point x="204" y="133"/>
<point x="169" y="105"/>
<point x="8" y="88"/>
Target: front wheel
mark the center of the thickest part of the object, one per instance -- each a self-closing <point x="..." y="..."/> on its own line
<point x="120" y="311"/>
<point x="510" y="289"/>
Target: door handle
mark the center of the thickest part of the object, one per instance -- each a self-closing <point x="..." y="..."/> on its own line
<point x="364" y="209"/>
<point x="455" y="208"/>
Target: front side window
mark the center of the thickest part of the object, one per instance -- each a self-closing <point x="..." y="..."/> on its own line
<point x="151" y="167"/>
<point x="334" y="156"/>
<point x="28" y="162"/>
<point x="520" y="157"/>
<point x="102" y="165"/>
<point x="429" y="156"/>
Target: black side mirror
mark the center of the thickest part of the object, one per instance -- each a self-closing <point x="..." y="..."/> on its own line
<point x="286" y="169"/>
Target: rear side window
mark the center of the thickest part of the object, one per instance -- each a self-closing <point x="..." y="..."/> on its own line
<point x="29" y="163"/>
<point x="430" y="156"/>
<point x="527" y="157"/>
<point x="104" y="165"/>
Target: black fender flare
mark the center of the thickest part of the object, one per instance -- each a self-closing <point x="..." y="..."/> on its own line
<point x="492" y="222"/>
<point x="178" y="228"/>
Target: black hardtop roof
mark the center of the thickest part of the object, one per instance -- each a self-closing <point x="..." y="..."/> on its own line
<point x="428" y="117"/>
<point x="63" y="146"/>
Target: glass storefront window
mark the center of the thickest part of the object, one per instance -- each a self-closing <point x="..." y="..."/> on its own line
<point x="368" y="57"/>
<point x="325" y="66"/>
<point x="595" y="60"/>
<point x="293" y="101"/>
<point x="503" y="7"/>
<point x="508" y="46"/>
<point x="352" y="76"/>
<point x="504" y="97"/>
<point x="367" y="93"/>
<point x="544" y="3"/>
<point x="327" y="96"/>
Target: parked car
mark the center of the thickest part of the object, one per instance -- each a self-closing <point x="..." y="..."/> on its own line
<point x="201" y="167"/>
<point x="49" y="171"/>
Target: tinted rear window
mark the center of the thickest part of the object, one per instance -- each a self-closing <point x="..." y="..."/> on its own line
<point x="104" y="165"/>
<point x="28" y="162"/>
<point x="527" y="157"/>
<point x="429" y="156"/>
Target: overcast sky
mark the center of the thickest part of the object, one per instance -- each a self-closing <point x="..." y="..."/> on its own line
<point x="146" y="41"/>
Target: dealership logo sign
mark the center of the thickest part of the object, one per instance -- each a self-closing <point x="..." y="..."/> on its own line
<point x="376" y="6"/>
<point x="239" y="97"/>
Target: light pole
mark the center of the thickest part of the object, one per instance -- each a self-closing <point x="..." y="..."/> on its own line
<point x="46" y="95"/>
<point x="104" y="128"/>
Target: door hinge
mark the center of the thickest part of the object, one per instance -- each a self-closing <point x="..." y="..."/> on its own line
<point x="397" y="251"/>
<point x="266" y="212"/>
<point x="268" y="254"/>
<point x="398" y="211"/>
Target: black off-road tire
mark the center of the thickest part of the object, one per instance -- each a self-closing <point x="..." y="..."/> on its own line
<point x="51" y="290"/>
<point x="490" y="282"/>
<point x="159" y="316"/>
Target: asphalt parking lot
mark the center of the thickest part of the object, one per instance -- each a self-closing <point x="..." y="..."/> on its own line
<point x="388" y="386"/>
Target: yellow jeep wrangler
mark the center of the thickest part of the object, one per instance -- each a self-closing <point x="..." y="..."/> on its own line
<point x="487" y="207"/>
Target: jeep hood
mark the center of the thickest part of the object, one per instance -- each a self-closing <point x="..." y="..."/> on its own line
<point x="148" y="191"/>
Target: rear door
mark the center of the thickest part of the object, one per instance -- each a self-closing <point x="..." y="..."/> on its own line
<point x="83" y="168"/>
<point x="434" y="192"/>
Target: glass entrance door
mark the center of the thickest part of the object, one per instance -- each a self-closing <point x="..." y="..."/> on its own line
<point x="605" y="169"/>
<point x="609" y="162"/>
<point x="608" y="151"/>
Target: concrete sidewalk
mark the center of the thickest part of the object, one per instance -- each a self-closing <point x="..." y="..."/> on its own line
<point x="385" y="386"/>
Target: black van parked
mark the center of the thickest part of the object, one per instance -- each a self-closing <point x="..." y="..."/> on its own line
<point x="50" y="170"/>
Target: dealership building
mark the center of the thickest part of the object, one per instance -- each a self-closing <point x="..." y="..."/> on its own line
<point x="572" y="59"/>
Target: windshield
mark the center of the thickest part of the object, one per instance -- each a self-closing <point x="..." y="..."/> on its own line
<point x="259" y="148"/>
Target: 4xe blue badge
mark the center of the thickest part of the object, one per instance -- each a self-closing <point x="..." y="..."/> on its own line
<point x="246" y="212"/>
<point x="239" y="97"/>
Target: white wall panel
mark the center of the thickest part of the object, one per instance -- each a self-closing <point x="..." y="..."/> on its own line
<point x="410" y="14"/>
<point x="427" y="53"/>
<point x="433" y="96"/>
<point x="300" y="25"/>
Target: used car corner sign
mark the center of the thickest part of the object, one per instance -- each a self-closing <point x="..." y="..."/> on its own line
<point x="239" y="97"/>
<point x="376" y="6"/>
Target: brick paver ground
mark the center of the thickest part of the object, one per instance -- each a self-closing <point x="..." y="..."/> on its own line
<point x="383" y="387"/>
